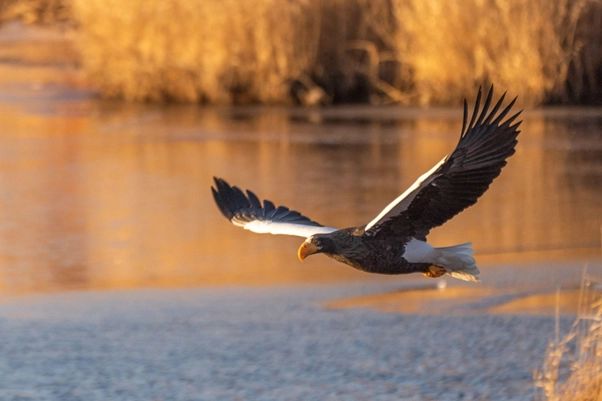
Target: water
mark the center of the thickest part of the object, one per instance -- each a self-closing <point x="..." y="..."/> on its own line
<point x="256" y="344"/>
<point x="97" y="194"/>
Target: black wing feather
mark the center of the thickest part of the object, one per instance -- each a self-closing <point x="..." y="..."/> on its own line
<point x="241" y="208"/>
<point x="484" y="146"/>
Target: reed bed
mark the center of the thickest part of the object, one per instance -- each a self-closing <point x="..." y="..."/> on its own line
<point x="198" y="50"/>
<point x="525" y="45"/>
<point x="573" y="365"/>
<point x="316" y="52"/>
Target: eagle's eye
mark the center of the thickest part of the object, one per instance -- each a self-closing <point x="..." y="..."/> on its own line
<point x="317" y="241"/>
<point x="323" y="244"/>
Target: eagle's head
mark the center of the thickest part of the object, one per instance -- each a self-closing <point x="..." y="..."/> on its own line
<point x="319" y="243"/>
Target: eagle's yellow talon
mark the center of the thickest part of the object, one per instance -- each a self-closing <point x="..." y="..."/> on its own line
<point x="435" y="271"/>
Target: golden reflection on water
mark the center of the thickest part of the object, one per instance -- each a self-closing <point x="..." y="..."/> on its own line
<point x="96" y="195"/>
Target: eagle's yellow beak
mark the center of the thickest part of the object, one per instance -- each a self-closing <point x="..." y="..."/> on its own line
<point x="307" y="248"/>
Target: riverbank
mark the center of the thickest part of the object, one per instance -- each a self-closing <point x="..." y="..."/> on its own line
<point x="314" y="54"/>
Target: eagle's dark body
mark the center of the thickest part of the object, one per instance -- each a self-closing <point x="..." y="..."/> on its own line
<point x="367" y="253"/>
<point x="395" y="241"/>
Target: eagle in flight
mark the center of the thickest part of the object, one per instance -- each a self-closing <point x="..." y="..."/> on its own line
<point x="394" y="242"/>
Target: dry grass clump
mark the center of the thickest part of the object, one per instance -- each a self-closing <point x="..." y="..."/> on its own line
<point x="573" y="366"/>
<point x="216" y="51"/>
<point x="192" y="50"/>
<point x="223" y="51"/>
<point x="406" y="51"/>
<point x="526" y="45"/>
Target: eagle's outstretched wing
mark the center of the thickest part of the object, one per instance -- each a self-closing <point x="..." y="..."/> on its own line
<point x="459" y="179"/>
<point x="248" y="212"/>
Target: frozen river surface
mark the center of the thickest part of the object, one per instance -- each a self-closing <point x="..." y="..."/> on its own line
<point x="260" y="344"/>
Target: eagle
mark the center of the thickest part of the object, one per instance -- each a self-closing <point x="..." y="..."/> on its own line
<point x="395" y="241"/>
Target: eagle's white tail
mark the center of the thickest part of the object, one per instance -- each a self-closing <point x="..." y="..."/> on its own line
<point x="458" y="260"/>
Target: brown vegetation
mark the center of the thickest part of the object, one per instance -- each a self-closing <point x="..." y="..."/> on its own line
<point x="316" y="52"/>
<point x="406" y="51"/>
<point x="44" y="12"/>
<point x="573" y="364"/>
<point x="526" y="45"/>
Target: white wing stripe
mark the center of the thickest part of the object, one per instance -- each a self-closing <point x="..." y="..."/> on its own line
<point x="246" y="211"/>
<point x="270" y="227"/>
<point x="398" y="204"/>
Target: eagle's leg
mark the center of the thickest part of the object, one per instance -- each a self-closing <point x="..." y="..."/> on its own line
<point x="435" y="271"/>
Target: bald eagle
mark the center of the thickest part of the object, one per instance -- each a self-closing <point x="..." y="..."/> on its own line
<point x="394" y="242"/>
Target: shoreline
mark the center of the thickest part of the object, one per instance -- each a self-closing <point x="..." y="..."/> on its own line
<point x="516" y="289"/>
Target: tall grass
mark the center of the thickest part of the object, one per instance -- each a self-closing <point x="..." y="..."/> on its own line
<point x="407" y="51"/>
<point x="573" y="364"/>
<point x="188" y="50"/>
<point x="525" y="45"/>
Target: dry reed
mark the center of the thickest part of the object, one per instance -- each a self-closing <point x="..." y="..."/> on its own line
<point x="197" y="50"/>
<point x="573" y="366"/>
<point x="525" y="45"/>
<point x="407" y="51"/>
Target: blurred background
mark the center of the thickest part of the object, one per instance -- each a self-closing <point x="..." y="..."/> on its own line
<point x="323" y="52"/>
<point x="115" y="116"/>
<point x="107" y="156"/>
